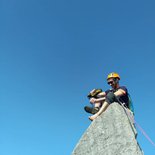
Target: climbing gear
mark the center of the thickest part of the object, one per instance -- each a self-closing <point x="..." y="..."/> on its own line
<point x="113" y="75"/>
<point x="144" y="133"/>
<point x="95" y="93"/>
<point x="131" y="118"/>
<point x="129" y="105"/>
<point x="92" y="110"/>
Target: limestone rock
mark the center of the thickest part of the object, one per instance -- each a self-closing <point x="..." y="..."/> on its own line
<point x="112" y="133"/>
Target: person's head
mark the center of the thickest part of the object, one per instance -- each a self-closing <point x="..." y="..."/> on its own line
<point x="113" y="80"/>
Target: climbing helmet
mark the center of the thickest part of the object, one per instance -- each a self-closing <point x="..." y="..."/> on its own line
<point x="113" y="75"/>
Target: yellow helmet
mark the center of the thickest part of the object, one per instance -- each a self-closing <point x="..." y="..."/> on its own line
<point x="113" y="75"/>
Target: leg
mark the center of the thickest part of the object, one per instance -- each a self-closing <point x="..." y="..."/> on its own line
<point x="102" y="109"/>
<point x="98" y="104"/>
<point x="94" y="109"/>
<point x="110" y="98"/>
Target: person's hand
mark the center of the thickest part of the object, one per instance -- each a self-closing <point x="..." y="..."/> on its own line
<point x="93" y="100"/>
<point x="93" y="117"/>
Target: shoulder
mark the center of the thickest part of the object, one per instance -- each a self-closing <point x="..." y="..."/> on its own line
<point x="123" y="88"/>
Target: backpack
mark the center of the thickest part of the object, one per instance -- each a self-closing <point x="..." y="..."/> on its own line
<point x="130" y="103"/>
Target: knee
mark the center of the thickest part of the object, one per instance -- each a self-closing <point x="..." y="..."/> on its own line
<point x="110" y="97"/>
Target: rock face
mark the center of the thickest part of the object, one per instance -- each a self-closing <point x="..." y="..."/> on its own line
<point x="112" y="133"/>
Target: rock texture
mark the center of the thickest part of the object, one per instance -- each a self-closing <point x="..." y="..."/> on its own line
<point x="112" y="133"/>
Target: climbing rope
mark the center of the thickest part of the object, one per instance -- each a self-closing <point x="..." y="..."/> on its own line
<point x="138" y="126"/>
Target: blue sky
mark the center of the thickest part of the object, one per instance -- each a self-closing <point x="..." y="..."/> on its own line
<point x="53" y="53"/>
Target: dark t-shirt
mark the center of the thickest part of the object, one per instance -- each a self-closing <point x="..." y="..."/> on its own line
<point x="124" y="98"/>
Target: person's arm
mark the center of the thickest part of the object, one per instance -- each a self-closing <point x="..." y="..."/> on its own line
<point x="120" y="92"/>
<point x="100" y="99"/>
<point x="102" y="94"/>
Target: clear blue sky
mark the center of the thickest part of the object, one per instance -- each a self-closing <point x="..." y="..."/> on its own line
<point x="53" y="52"/>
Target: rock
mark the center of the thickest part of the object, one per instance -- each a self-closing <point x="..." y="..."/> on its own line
<point x="112" y="133"/>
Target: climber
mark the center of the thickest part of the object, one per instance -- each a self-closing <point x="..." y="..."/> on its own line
<point x="101" y="100"/>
